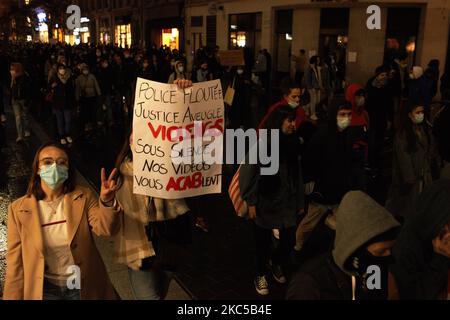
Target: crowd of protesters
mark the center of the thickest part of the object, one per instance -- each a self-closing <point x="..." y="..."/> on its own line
<point x="333" y="142"/>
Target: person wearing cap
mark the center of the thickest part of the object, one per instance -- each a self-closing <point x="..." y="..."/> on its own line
<point x="358" y="266"/>
<point x="422" y="251"/>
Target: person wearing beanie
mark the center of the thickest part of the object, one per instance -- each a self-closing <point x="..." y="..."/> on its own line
<point x="365" y="234"/>
<point x="422" y="251"/>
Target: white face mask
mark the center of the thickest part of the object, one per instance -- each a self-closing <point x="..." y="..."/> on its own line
<point x="240" y="71"/>
<point x="180" y="69"/>
<point x="293" y="104"/>
<point x="418" y="118"/>
<point x="85" y="72"/>
<point x="343" y="122"/>
<point x="62" y="71"/>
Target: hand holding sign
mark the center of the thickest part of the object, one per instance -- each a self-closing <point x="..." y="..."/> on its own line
<point x="183" y="83"/>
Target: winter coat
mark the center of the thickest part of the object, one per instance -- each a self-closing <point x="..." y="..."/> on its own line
<point x="328" y="161"/>
<point x="420" y="273"/>
<point x="411" y="172"/>
<point x="358" y="220"/>
<point x="21" y="88"/>
<point x="63" y="93"/>
<point x="379" y="105"/>
<point x="279" y="197"/>
<point x="25" y="257"/>
<point x="86" y="87"/>
<point x="313" y="82"/>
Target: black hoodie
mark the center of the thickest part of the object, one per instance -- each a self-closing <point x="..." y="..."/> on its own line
<point x="328" y="161"/>
<point x="421" y="273"/>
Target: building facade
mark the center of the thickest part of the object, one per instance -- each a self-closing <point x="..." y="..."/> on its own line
<point x="140" y="22"/>
<point x="420" y="27"/>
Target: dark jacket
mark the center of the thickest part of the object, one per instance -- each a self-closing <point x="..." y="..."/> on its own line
<point x="379" y="105"/>
<point x="63" y="94"/>
<point x="21" y="88"/>
<point x="421" y="273"/>
<point x="327" y="277"/>
<point x="411" y="171"/>
<point x="419" y="91"/>
<point x="441" y="130"/>
<point x="105" y="77"/>
<point x="279" y="197"/>
<point x="327" y="162"/>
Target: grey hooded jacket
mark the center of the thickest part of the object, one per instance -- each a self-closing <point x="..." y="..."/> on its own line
<point x="359" y="219"/>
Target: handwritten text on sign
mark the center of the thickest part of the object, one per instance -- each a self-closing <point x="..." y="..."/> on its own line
<point x="170" y="128"/>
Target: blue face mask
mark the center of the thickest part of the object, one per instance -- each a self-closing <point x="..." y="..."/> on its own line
<point x="54" y="175"/>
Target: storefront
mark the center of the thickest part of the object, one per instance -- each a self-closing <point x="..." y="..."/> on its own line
<point x="42" y="27"/>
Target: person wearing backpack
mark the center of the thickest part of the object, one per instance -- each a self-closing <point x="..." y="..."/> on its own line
<point x="274" y="201"/>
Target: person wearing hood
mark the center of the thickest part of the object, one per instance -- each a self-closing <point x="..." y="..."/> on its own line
<point x="359" y="129"/>
<point x="179" y="72"/>
<point x="327" y="165"/>
<point x="365" y="235"/>
<point x="413" y="154"/>
<point x="86" y="92"/>
<point x="379" y="105"/>
<point x="422" y="251"/>
<point x="275" y="201"/>
<point x="63" y="103"/>
<point x="203" y="74"/>
<point x="419" y="88"/>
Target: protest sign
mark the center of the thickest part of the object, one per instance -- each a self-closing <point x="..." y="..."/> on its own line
<point x="231" y="58"/>
<point x="177" y="139"/>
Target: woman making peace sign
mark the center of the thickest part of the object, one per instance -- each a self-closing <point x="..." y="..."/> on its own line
<point x="51" y="251"/>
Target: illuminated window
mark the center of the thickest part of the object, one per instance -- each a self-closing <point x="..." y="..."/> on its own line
<point x="123" y="35"/>
<point x="241" y="39"/>
<point x="27" y="2"/>
<point x="170" y="38"/>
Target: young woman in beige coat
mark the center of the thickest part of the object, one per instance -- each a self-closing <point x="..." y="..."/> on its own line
<point x="51" y="250"/>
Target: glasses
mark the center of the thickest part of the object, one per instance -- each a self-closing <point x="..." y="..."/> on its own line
<point x="50" y="161"/>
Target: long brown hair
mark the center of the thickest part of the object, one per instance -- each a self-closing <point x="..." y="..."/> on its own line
<point x="125" y="153"/>
<point x="34" y="184"/>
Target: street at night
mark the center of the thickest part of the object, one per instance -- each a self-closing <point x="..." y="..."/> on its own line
<point x="224" y="150"/>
